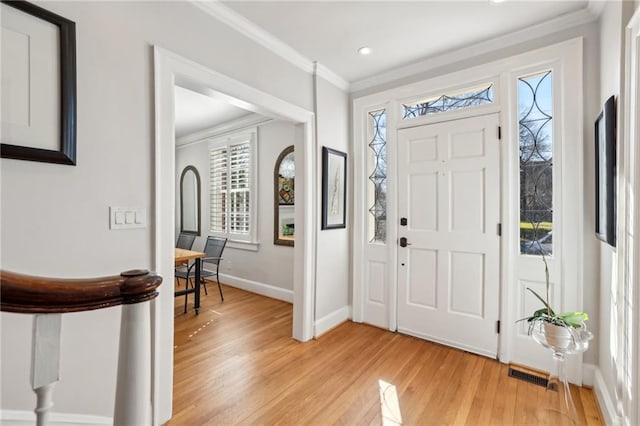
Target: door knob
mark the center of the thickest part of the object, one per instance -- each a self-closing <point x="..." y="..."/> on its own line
<point x="403" y="242"/>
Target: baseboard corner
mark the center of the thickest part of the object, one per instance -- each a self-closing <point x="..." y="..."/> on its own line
<point x="332" y="320"/>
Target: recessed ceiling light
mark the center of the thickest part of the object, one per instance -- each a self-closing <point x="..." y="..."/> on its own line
<point x="365" y="50"/>
<point x="496" y="1"/>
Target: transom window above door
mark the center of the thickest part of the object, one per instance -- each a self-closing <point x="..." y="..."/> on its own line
<point x="452" y="101"/>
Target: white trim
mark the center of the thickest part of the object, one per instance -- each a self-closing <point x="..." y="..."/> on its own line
<point x="332" y="320"/>
<point x="171" y="69"/>
<point x="596" y="7"/>
<point x="223" y="129"/>
<point x="629" y="247"/>
<point x="606" y="403"/>
<point x="242" y="245"/>
<point x="244" y="26"/>
<point x="551" y="26"/>
<point x="273" y="44"/>
<point x="331" y="77"/>
<point x="256" y="287"/>
<point x="19" y="417"/>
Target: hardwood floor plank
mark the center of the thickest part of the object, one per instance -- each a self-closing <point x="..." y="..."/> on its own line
<point x="236" y="363"/>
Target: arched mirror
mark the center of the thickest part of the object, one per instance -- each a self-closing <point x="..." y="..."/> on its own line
<point x="284" y="209"/>
<point x="190" y="201"/>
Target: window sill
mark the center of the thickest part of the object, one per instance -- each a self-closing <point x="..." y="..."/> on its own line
<point x="243" y="245"/>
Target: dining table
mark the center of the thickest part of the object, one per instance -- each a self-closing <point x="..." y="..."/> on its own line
<point x="182" y="257"/>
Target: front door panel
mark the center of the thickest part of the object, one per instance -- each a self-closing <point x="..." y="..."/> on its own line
<point x="448" y="278"/>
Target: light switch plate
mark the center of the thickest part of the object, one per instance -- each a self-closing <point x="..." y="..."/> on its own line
<point x="127" y="217"/>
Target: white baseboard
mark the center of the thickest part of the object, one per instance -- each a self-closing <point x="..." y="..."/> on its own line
<point x="21" y="418"/>
<point x="335" y="318"/>
<point x="589" y="374"/>
<point x="606" y="403"/>
<point x="258" y="288"/>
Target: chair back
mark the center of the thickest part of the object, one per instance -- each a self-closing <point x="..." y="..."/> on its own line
<point x="213" y="249"/>
<point x="185" y="241"/>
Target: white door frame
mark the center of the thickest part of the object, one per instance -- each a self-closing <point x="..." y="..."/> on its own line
<point x="629" y="221"/>
<point x="569" y="53"/>
<point x="171" y="68"/>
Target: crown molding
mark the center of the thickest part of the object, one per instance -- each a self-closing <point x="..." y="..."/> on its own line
<point x="551" y="26"/>
<point x="596" y="7"/>
<point x="331" y="77"/>
<point x="256" y="33"/>
<point x="232" y="126"/>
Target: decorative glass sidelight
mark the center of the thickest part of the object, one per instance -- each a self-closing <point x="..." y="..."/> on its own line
<point x="377" y="169"/>
<point x="535" y="112"/>
<point x="449" y="102"/>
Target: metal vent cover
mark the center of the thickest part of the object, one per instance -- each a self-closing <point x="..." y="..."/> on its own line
<point x="528" y="377"/>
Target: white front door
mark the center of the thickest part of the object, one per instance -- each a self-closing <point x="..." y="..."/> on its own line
<point x="449" y="193"/>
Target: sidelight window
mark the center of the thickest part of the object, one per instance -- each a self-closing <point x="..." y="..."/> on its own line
<point x="535" y="119"/>
<point x="377" y="171"/>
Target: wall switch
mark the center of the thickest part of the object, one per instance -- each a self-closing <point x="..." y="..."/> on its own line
<point x="119" y="218"/>
<point x="127" y="217"/>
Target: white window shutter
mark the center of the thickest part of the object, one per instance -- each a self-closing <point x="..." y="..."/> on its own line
<point x="218" y="189"/>
<point x="240" y="193"/>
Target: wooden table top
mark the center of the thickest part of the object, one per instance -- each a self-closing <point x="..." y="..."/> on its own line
<point x="183" y="255"/>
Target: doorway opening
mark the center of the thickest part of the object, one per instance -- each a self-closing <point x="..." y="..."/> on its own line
<point x="170" y="70"/>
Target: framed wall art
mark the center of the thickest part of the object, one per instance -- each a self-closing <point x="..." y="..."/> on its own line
<point x="38" y="83"/>
<point x="334" y="189"/>
<point x="605" y="150"/>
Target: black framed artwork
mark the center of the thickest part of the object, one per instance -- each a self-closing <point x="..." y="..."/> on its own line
<point x="605" y="153"/>
<point x="39" y="62"/>
<point x="334" y="189"/>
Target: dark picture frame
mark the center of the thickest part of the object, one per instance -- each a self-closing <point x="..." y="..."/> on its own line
<point x="334" y="189"/>
<point x="605" y="154"/>
<point x="283" y="199"/>
<point x="184" y="207"/>
<point x="66" y="154"/>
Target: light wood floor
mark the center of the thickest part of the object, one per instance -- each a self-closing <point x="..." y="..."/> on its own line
<point x="236" y="363"/>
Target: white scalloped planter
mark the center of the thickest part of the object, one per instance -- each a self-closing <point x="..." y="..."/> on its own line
<point x="557" y="336"/>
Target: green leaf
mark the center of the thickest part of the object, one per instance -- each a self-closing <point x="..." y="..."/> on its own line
<point x="548" y="308"/>
<point x="575" y="319"/>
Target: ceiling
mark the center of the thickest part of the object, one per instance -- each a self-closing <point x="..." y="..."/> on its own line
<point x="195" y="112"/>
<point x="399" y="32"/>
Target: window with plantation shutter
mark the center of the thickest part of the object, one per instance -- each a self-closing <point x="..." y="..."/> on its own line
<point x="239" y="194"/>
<point x="230" y="184"/>
<point x="218" y="187"/>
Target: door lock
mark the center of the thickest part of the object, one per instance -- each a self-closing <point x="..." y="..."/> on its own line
<point x="403" y="242"/>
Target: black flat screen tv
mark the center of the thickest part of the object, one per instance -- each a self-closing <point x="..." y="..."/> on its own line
<point x="605" y="146"/>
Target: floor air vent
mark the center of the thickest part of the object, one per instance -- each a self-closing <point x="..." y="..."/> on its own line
<point x="528" y="377"/>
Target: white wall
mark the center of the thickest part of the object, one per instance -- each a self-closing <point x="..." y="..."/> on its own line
<point x="271" y="264"/>
<point x="332" y="277"/>
<point x="55" y="218"/>
<point x="612" y="26"/>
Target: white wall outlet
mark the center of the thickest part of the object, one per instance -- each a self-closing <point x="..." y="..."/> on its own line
<point x="127" y="217"/>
